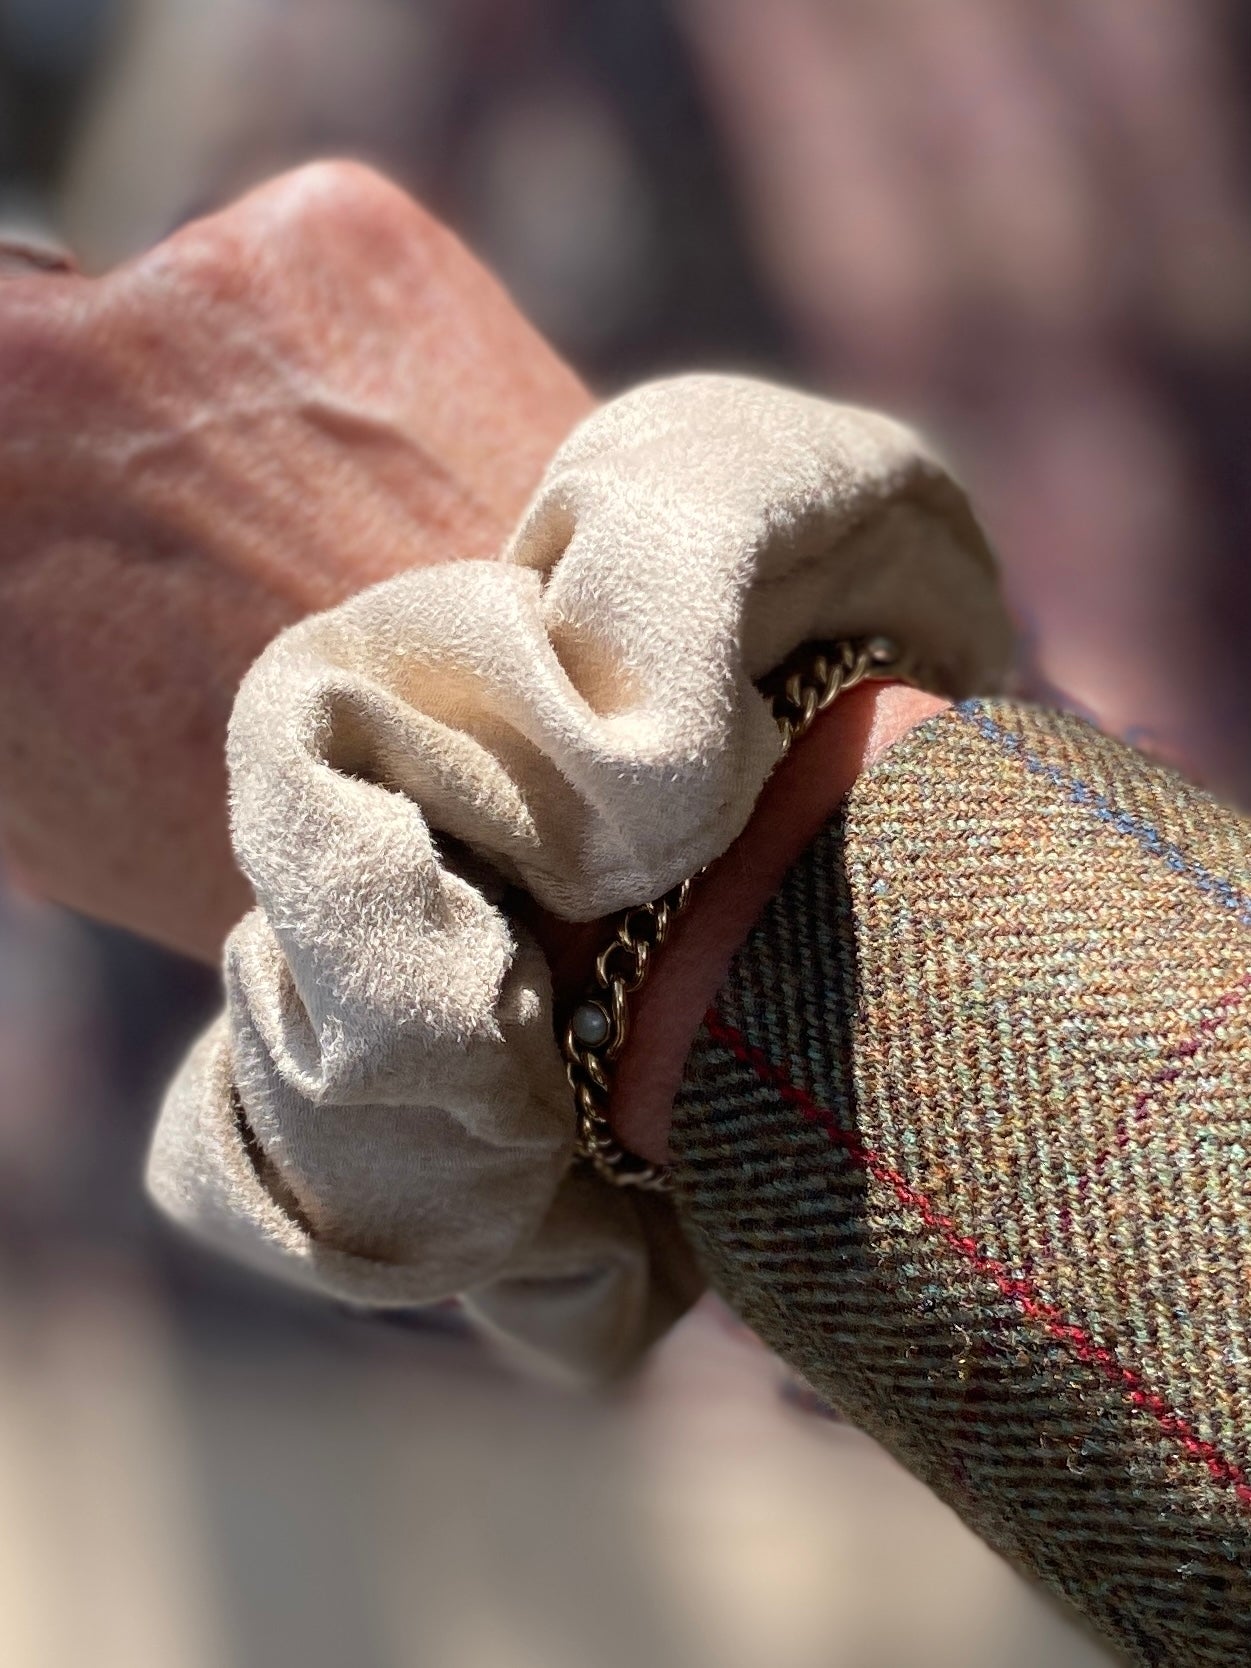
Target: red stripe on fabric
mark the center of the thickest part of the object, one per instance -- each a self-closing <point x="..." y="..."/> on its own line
<point x="1016" y="1288"/>
<point x="1169" y="1070"/>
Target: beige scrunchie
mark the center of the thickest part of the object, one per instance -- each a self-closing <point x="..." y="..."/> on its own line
<point x="382" y="1112"/>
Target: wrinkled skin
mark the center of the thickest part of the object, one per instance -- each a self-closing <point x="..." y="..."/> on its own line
<point x="308" y="392"/>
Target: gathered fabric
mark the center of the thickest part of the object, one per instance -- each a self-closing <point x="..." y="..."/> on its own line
<point x="381" y="1110"/>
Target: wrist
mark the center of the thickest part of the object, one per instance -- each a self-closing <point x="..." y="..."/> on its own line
<point x="799" y="799"/>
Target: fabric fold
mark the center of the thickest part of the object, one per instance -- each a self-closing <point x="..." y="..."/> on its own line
<point x="383" y="1112"/>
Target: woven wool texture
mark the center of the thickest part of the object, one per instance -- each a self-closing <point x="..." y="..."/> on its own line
<point x="966" y="1137"/>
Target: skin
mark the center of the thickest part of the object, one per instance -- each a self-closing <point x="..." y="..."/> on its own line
<point x="795" y="806"/>
<point x="281" y="404"/>
<point x="311" y="391"/>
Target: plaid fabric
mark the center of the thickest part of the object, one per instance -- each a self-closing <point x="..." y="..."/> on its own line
<point x="966" y="1138"/>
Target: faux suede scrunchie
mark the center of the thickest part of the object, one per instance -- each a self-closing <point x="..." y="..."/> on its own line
<point x="382" y="1111"/>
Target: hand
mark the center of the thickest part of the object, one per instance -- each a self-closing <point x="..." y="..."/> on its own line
<point x="309" y="392"/>
<point x="302" y="395"/>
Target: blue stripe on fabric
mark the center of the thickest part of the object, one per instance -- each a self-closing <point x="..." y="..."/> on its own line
<point x="1124" y="822"/>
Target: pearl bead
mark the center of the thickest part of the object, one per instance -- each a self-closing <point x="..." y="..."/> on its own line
<point x="590" y="1024"/>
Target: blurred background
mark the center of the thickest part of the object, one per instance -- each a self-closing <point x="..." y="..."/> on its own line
<point x="1024" y="224"/>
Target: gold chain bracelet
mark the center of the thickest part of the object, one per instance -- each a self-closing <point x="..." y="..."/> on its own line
<point x="598" y="1027"/>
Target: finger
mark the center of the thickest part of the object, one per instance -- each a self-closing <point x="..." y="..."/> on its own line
<point x="22" y="254"/>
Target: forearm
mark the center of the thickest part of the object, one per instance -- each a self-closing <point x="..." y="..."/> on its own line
<point x="963" y="1137"/>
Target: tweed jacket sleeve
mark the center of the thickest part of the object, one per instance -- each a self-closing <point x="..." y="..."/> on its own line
<point x="966" y="1136"/>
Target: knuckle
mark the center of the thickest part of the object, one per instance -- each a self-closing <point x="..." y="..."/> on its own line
<point x="337" y="216"/>
<point x="205" y="259"/>
<point x="321" y="210"/>
<point x="349" y="200"/>
<point x="351" y="216"/>
<point x="339" y="185"/>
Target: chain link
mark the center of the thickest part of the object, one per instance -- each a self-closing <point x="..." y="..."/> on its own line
<point x="598" y="1028"/>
